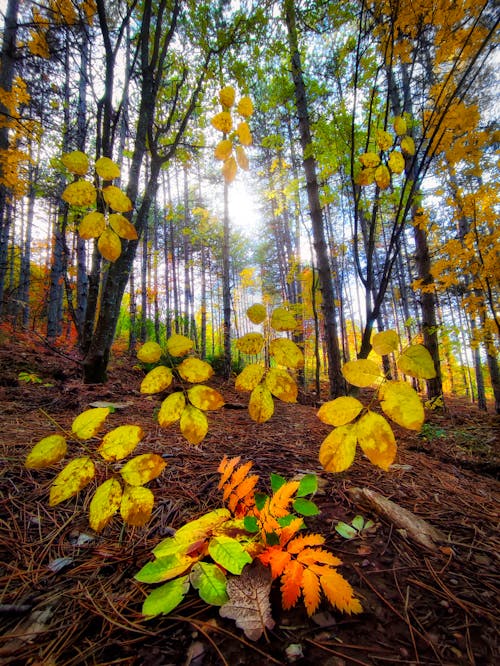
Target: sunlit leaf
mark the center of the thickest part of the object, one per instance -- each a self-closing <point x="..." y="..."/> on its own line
<point x="226" y="96"/>
<point x="249" y="377"/>
<point x="80" y="193"/>
<point x="107" y="169"/>
<point x="250" y="343"/>
<point x="136" y="505"/>
<point x="382" y="177"/>
<point x="384" y="139"/>
<point x="120" y="442"/>
<point x="396" y="162"/>
<point x="205" y="398"/>
<point x="261" y="404"/>
<point x="339" y="592"/>
<point x="283" y="320"/>
<point x="365" y="177"/>
<point x="308" y="485"/>
<point x="241" y="158"/>
<point x="92" y="225"/>
<point x="109" y="245"/>
<point x="340" y="411"/>
<point x="369" y="159"/>
<point x="244" y="134"/>
<point x="377" y="440"/>
<point x="165" y="598"/>
<point x="171" y="409"/>
<point x="408" y="145"/>
<point x="223" y="149"/>
<point x="210" y="582"/>
<point x="245" y="107"/>
<point x="71" y="479"/>
<point x="104" y="504"/>
<point x="164" y="568"/>
<point x="122" y="227"/>
<point x="150" y="352"/>
<point x="46" y="452"/>
<point x="193" y="424"/>
<point x="195" y="370"/>
<point x="361" y="372"/>
<point x="286" y="353"/>
<point x="116" y="199"/>
<point x="142" y="469"/>
<point x="229" y="169"/>
<point x="338" y="449"/>
<point x="402" y="404"/>
<point x="179" y="345"/>
<point x="416" y="361"/>
<point x="257" y="313"/>
<point x="399" y="125"/>
<point x="385" y="342"/>
<point x="198" y="529"/>
<point x="158" y="379"/>
<point x="88" y="423"/>
<point x="76" y="162"/>
<point x="305" y="507"/>
<point x="223" y="122"/>
<point x="281" y="385"/>
<point x="229" y="553"/>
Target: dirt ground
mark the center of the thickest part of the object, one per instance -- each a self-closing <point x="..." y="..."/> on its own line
<point x="68" y="596"/>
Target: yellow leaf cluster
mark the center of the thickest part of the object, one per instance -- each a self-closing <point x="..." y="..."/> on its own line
<point x="223" y="122"/>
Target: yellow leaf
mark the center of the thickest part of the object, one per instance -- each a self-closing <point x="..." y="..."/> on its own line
<point x="369" y="159"/>
<point x="104" y="504"/>
<point x="142" y="469"/>
<point x="281" y="385"/>
<point x="408" y="145"/>
<point x="122" y="226"/>
<point x="339" y="592"/>
<point x="286" y="353"/>
<point x="396" y="162"/>
<point x="194" y="370"/>
<point x="249" y="377"/>
<point x="244" y="134"/>
<point x="416" y="361"/>
<point x="157" y="380"/>
<point x="226" y="96"/>
<point x="46" y="452"/>
<point x="382" y="177"/>
<point x="120" y="442"/>
<point x="338" y="449"/>
<point x="250" y="343"/>
<point x="116" y="199"/>
<point x="107" y="169"/>
<point x="223" y="122"/>
<point x="88" y="423"/>
<point x="80" y="193"/>
<point x="283" y="320"/>
<point x="365" y="177"/>
<point x="361" y="372"/>
<point x="229" y="169"/>
<point x="241" y="158"/>
<point x="402" y="404"/>
<point x="256" y="313"/>
<point x="385" y="342"/>
<point x="150" y="352"/>
<point x="194" y="424"/>
<point x="92" y="225"/>
<point x="76" y="162"/>
<point x="136" y="505"/>
<point x="70" y="480"/>
<point x="377" y="440"/>
<point x="109" y="245"/>
<point x="245" y="107"/>
<point x="384" y="139"/>
<point x="223" y="149"/>
<point x="205" y="398"/>
<point x="399" y="125"/>
<point x="179" y="345"/>
<point x="261" y="404"/>
<point x="339" y="411"/>
<point x="171" y="409"/>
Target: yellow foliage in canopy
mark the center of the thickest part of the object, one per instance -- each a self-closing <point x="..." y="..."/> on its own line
<point x="223" y="122"/>
<point x="245" y="107"/>
<point x="396" y="162"/>
<point x="408" y="145"/>
<point x="38" y="45"/>
<point x="244" y="134"/>
<point x="107" y="169"/>
<point x="369" y="159"/>
<point x="46" y="452"/>
<point x="109" y="245"/>
<point x="150" y="352"/>
<point x="76" y="162"/>
<point x="92" y="225"/>
<point x="365" y="177"/>
<point x="80" y="193"/>
<point x="223" y="149"/>
<point x="399" y="125"/>
<point x="382" y="176"/>
<point x="384" y="140"/>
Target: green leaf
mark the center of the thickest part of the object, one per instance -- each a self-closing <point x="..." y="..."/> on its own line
<point x="165" y="598"/>
<point x="308" y="485"/>
<point x="358" y="522"/>
<point x="277" y="481"/>
<point x="164" y="568"/>
<point x="251" y="524"/>
<point x="346" y="531"/>
<point x="260" y="500"/>
<point x="272" y="539"/>
<point x="210" y="582"/>
<point x="305" y="507"/>
<point x="229" y="553"/>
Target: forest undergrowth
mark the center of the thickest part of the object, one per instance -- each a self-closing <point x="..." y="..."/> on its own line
<point x="68" y="595"/>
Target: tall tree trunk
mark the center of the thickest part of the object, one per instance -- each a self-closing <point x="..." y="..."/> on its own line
<point x="336" y="380"/>
<point x="226" y="287"/>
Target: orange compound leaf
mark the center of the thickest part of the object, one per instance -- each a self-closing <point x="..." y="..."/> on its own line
<point x="291" y="583"/>
<point x="301" y="542"/>
<point x="243" y="493"/>
<point x="311" y="591"/>
<point x="286" y="533"/>
<point x="226" y="468"/>
<point x="276" y="559"/>
<point x="318" y="556"/>
<point x="282" y="498"/>
<point x="339" y="592"/>
<point x="237" y="478"/>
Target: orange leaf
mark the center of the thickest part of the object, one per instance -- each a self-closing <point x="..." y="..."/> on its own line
<point x="302" y="542"/>
<point x="282" y="498"/>
<point x="318" y="555"/>
<point x="278" y="559"/>
<point x="237" y="478"/>
<point x="339" y="593"/>
<point x="291" y="582"/>
<point x="241" y="493"/>
<point x="226" y="468"/>
<point x="311" y="591"/>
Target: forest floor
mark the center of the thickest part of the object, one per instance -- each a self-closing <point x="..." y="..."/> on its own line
<point x="421" y="605"/>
